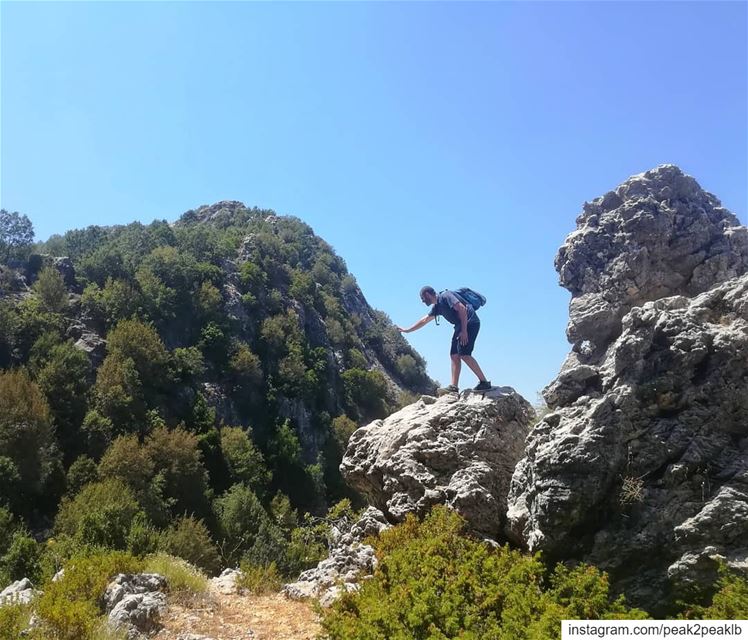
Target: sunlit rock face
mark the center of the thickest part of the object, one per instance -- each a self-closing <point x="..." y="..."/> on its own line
<point x="455" y="450"/>
<point x="642" y="465"/>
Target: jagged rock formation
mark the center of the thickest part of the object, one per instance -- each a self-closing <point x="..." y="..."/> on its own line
<point x="135" y="603"/>
<point x="458" y="451"/>
<point x="642" y="467"/>
<point x="18" y="592"/>
<point x="349" y="562"/>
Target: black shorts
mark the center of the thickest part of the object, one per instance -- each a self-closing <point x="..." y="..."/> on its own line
<point x="467" y="349"/>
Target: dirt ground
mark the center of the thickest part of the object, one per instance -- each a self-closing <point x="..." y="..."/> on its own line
<point x="219" y="616"/>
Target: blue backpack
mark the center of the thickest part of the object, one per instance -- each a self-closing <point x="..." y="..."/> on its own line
<point x="473" y="298"/>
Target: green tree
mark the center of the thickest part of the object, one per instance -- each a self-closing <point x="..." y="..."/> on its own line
<point x="243" y="459"/>
<point x="240" y="516"/>
<point x="50" y="287"/>
<point x="64" y="381"/>
<point x="16" y="235"/>
<point x="21" y="560"/>
<point x="99" y="515"/>
<point x="366" y="393"/>
<point x="26" y="437"/>
<point x="188" y="538"/>
<point x="82" y="472"/>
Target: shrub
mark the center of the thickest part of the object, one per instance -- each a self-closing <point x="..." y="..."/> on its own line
<point x="408" y="369"/>
<point x="434" y="582"/>
<point x="141" y="343"/>
<point x="240" y="517"/>
<point x="64" y="381"/>
<point x="243" y="458"/>
<point x="143" y="538"/>
<point x="188" y="362"/>
<point x="342" y="429"/>
<point x="14" y="619"/>
<point x="188" y="538"/>
<point x="96" y="433"/>
<point x="269" y="546"/>
<point x="7" y="527"/>
<point x="26" y="437"/>
<point x="82" y="472"/>
<point x="21" y="560"/>
<point x="50" y="287"/>
<point x="730" y="602"/>
<point x="69" y="608"/>
<point x="176" y="458"/>
<point x="101" y="514"/>
<point x="259" y="580"/>
<point x="365" y="392"/>
<point x="183" y="579"/>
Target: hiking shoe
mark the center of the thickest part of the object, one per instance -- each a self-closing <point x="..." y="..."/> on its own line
<point x="445" y="390"/>
<point x="483" y="386"/>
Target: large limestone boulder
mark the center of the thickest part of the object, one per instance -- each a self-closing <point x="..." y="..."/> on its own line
<point x="642" y="467"/>
<point x="455" y="450"/>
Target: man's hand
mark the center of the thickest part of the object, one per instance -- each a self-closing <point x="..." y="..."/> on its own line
<point x="463" y="337"/>
<point x="401" y="330"/>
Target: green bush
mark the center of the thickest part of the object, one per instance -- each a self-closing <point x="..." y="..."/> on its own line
<point x="240" y="516"/>
<point x="22" y="558"/>
<point x="50" y="287"/>
<point x="182" y="578"/>
<point x="258" y="579"/>
<point x="7" y="528"/>
<point x="101" y="514"/>
<point x="142" y="538"/>
<point x="433" y="582"/>
<point x="30" y="464"/>
<point x="342" y="430"/>
<point x="730" y="602"/>
<point x="243" y="459"/>
<point x="82" y="472"/>
<point x="14" y="618"/>
<point x="188" y="538"/>
<point x="365" y="393"/>
<point x="69" y="609"/>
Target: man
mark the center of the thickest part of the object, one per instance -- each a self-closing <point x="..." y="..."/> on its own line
<point x="467" y="325"/>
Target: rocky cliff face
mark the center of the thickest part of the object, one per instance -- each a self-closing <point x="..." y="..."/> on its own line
<point x="458" y="451"/>
<point x="642" y="466"/>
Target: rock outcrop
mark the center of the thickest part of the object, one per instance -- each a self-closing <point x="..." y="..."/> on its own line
<point x="350" y="561"/>
<point x="642" y="466"/>
<point x="135" y="603"/>
<point x="459" y="451"/>
<point x="19" y="592"/>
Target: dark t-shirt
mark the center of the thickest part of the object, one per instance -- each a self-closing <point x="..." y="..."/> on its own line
<point x="444" y="307"/>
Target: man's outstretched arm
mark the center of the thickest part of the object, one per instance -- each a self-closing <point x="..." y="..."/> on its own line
<point x="421" y="323"/>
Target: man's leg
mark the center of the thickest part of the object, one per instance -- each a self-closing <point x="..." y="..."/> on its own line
<point x="474" y="367"/>
<point x="456" y="366"/>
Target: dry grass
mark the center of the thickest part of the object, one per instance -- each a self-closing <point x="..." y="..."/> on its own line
<point x="242" y="617"/>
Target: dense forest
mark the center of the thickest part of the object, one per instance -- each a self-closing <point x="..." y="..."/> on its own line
<point x="188" y="387"/>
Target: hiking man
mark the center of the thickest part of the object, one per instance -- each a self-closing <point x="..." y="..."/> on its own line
<point x="467" y="325"/>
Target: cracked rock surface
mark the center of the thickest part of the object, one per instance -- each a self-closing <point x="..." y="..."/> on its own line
<point x="642" y="465"/>
<point x="455" y="450"/>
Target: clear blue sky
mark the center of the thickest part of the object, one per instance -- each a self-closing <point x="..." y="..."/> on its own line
<point x="443" y="143"/>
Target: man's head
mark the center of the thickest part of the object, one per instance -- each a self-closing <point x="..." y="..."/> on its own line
<point x="428" y="295"/>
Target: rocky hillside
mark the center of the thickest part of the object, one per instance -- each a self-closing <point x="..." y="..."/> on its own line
<point x="230" y="317"/>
